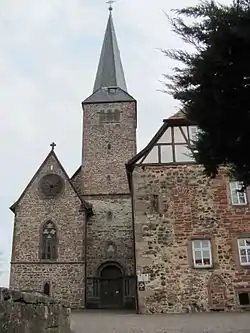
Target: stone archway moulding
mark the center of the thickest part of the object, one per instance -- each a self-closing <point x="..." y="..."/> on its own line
<point x="107" y="264"/>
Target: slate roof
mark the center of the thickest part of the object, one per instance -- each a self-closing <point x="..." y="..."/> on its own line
<point x="178" y="115"/>
<point x="109" y="95"/>
<point x="110" y="72"/>
<point x="178" y="118"/>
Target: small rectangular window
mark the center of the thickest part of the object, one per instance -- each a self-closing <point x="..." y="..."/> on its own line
<point x="112" y="90"/>
<point x="238" y="193"/>
<point x="183" y="154"/>
<point x="117" y="116"/>
<point x="244" y="251"/>
<point x="155" y="203"/>
<point x="202" y="254"/>
<point x="110" y="116"/>
<point x="244" y="298"/>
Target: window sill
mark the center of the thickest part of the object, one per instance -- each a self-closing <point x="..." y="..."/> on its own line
<point x="48" y="261"/>
<point x="239" y="205"/>
<point x="203" y="267"/>
<point x="247" y="307"/>
<point x="110" y="122"/>
<point x="247" y="266"/>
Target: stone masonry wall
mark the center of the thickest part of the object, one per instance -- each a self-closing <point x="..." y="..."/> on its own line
<point x="28" y="270"/>
<point x="66" y="280"/>
<point x="189" y="206"/>
<point x="29" y="313"/>
<point x="101" y="160"/>
<point x="111" y="223"/>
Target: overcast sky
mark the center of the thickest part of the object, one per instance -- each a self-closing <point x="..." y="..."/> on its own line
<point x="48" y="61"/>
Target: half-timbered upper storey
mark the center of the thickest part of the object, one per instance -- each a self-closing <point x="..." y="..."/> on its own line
<point x="171" y="144"/>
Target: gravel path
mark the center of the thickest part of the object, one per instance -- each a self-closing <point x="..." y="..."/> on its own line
<point x="115" y="322"/>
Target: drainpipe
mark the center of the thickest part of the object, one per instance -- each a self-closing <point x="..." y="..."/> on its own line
<point x="134" y="243"/>
<point x="85" y="257"/>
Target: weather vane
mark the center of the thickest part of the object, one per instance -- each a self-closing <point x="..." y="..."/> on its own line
<point x="110" y="2"/>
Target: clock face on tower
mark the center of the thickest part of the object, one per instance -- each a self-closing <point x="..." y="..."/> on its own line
<point x="51" y="185"/>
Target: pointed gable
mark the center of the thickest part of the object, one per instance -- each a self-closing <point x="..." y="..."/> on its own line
<point x="52" y="165"/>
<point x="178" y="115"/>
<point x="179" y="118"/>
<point x="171" y="144"/>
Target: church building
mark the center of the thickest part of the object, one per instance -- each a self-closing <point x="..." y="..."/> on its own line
<point x="73" y="236"/>
<point x="145" y="231"/>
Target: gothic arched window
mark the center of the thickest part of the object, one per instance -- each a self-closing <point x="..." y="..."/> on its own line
<point x="49" y="241"/>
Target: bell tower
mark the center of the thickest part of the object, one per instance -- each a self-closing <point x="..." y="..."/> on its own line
<point x="109" y="123"/>
<point x="109" y="141"/>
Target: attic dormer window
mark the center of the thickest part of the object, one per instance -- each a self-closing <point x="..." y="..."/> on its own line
<point x="112" y="90"/>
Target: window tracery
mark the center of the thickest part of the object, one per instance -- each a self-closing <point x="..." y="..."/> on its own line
<point x="49" y="241"/>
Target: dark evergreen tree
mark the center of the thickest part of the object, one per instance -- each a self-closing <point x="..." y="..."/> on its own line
<point x="214" y="83"/>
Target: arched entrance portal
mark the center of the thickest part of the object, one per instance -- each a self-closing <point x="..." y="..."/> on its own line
<point x="111" y="287"/>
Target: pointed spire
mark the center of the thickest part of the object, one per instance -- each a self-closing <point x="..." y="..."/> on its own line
<point x="110" y="71"/>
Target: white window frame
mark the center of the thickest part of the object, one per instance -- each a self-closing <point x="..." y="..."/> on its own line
<point x="247" y="250"/>
<point x="234" y="186"/>
<point x="202" y="248"/>
<point x="193" y="133"/>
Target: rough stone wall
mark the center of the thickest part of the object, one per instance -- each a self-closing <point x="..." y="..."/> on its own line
<point x="76" y="180"/>
<point x="29" y="313"/>
<point x="116" y="228"/>
<point x="106" y="149"/>
<point x="99" y="161"/>
<point x="190" y="206"/>
<point x="66" y="280"/>
<point x="28" y="271"/>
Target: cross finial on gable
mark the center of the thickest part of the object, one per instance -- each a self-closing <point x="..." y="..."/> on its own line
<point x="52" y="145"/>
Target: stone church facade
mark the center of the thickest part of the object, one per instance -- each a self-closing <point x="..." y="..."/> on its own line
<point x="73" y="237"/>
<point x="93" y="238"/>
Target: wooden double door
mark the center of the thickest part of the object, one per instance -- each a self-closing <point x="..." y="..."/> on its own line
<point x="111" y="288"/>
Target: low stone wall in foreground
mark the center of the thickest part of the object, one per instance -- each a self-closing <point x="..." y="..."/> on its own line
<point x="32" y="313"/>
